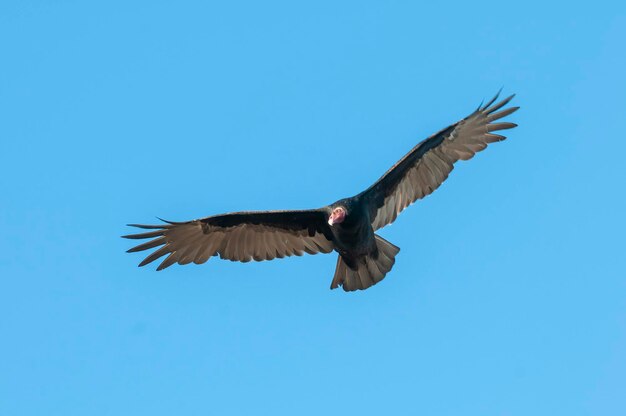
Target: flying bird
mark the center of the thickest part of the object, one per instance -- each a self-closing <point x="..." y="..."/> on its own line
<point x="347" y="226"/>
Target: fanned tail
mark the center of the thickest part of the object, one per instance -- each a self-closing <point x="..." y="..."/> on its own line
<point x="368" y="270"/>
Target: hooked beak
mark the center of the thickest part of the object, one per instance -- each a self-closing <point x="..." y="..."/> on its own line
<point x="336" y="217"/>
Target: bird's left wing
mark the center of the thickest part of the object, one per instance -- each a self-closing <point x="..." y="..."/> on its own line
<point x="238" y="236"/>
<point x="428" y="164"/>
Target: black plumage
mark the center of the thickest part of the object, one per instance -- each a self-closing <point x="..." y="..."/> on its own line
<point x="348" y="226"/>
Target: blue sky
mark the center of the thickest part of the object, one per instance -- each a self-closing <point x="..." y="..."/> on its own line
<point x="509" y="294"/>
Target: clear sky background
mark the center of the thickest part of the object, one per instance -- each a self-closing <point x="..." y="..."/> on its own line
<point x="509" y="294"/>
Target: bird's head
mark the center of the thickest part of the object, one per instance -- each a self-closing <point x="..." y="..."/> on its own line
<point x="337" y="215"/>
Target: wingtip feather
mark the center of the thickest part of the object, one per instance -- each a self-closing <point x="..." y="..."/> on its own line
<point x="500" y="126"/>
<point x="493" y="100"/>
<point x="491" y="110"/>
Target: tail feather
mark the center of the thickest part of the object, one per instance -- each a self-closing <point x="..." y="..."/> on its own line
<point x="368" y="270"/>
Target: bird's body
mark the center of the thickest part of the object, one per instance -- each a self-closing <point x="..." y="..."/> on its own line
<point x="364" y="257"/>
<point x="347" y="226"/>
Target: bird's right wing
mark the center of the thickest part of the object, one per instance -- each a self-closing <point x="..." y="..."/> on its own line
<point x="428" y="164"/>
<point x="239" y="236"/>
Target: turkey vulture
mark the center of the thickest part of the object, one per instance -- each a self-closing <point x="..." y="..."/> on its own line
<point x="347" y="226"/>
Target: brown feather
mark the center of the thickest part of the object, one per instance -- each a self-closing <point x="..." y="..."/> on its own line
<point x="429" y="164"/>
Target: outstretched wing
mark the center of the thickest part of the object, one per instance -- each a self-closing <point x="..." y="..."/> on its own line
<point x="428" y="164"/>
<point x="239" y="236"/>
